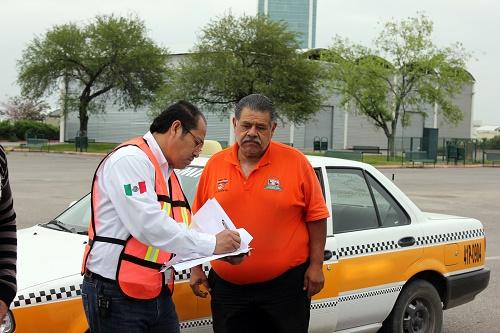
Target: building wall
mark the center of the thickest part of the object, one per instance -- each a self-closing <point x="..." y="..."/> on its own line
<point x="300" y="15"/>
<point x="463" y="129"/>
<point x="217" y="127"/>
<point x="113" y="126"/>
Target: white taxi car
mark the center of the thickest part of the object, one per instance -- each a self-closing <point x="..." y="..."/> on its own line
<point x="388" y="266"/>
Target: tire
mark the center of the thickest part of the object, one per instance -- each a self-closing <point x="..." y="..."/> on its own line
<point x="418" y="309"/>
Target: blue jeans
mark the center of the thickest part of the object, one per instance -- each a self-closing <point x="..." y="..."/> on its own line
<point x="126" y="315"/>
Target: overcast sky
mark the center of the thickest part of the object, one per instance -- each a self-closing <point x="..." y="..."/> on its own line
<point x="175" y="24"/>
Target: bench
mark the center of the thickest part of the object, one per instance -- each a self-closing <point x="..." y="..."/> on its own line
<point x="491" y="156"/>
<point x="345" y="154"/>
<point x="36" y="143"/>
<point x="418" y="156"/>
<point x="72" y="140"/>
<point x="367" y="149"/>
<point x="455" y="153"/>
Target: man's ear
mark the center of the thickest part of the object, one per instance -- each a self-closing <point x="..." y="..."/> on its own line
<point x="273" y="127"/>
<point x="234" y="122"/>
<point x="176" y="127"/>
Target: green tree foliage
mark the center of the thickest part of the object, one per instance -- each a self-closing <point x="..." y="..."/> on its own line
<point x="404" y="72"/>
<point x="493" y="143"/>
<point x="235" y="57"/>
<point x="109" y="58"/>
<point x="20" y="108"/>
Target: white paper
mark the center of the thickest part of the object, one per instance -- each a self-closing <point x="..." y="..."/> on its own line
<point x="211" y="219"/>
<point x="195" y="262"/>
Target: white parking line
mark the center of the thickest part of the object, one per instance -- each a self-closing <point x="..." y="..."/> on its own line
<point x="493" y="258"/>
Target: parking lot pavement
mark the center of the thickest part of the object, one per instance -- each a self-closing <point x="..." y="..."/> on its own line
<point x="44" y="184"/>
<point x="472" y="192"/>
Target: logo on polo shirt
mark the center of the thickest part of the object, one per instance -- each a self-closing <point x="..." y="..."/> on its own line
<point x="222" y="184"/>
<point x="273" y="184"/>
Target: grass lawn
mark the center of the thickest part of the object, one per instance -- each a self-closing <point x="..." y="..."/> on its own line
<point x="380" y="159"/>
<point x="94" y="147"/>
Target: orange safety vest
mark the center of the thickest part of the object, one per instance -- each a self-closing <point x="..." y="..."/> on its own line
<point x="138" y="272"/>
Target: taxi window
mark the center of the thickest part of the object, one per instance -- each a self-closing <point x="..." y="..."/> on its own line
<point x="391" y="214"/>
<point x="352" y="204"/>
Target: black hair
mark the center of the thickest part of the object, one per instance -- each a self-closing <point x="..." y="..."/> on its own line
<point x="187" y="113"/>
<point x="256" y="102"/>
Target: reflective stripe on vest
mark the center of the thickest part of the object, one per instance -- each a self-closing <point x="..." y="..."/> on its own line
<point x="138" y="272"/>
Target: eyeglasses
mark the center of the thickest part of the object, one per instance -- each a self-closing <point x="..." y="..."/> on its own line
<point x="198" y="143"/>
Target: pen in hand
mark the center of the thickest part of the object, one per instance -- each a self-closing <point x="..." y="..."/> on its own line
<point x="224" y="224"/>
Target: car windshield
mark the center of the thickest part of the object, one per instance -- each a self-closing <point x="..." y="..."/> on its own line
<point x="189" y="178"/>
<point x="74" y="219"/>
<point x="77" y="217"/>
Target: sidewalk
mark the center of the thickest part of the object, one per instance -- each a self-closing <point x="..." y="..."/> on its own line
<point x="15" y="147"/>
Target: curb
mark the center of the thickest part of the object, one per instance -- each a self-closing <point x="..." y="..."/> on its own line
<point x="21" y="150"/>
<point x="438" y="166"/>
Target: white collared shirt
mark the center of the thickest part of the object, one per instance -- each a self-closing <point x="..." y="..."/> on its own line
<point x="121" y="213"/>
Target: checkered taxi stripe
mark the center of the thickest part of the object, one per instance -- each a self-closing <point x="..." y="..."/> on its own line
<point x="67" y="292"/>
<point x="184" y="274"/>
<point x="375" y="247"/>
<point x="351" y="297"/>
<point x="62" y="293"/>
<point x="332" y="303"/>
<point x="195" y="323"/>
<point x="367" y="248"/>
<point x="44" y="296"/>
<point x="450" y="236"/>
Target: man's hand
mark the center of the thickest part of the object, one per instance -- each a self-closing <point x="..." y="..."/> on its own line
<point x="314" y="280"/>
<point x="197" y="279"/>
<point x="227" y="241"/>
<point x="3" y="310"/>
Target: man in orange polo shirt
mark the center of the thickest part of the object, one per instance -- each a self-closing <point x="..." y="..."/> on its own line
<point x="271" y="190"/>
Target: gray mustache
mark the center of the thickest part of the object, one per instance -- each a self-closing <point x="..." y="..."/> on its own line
<point x="251" y="140"/>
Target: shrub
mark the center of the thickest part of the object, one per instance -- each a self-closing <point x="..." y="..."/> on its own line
<point x="6" y="130"/>
<point x="495" y="142"/>
<point x="31" y="128"/>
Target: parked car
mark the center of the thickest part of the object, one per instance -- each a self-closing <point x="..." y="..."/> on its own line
<point x="387" y="266"/>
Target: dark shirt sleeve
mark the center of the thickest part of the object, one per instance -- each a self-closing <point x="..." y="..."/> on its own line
<point x="8" y="239"/>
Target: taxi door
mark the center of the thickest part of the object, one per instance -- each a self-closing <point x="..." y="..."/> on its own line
<point x="323" y="305"/>
<point x="376" y="245"/>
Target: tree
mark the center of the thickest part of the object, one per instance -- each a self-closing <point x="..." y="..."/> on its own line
<point x="404" y="72"/>
<point x="20" y="108"/>
<point x="110" y="58"/>
<point x="235" y="57"/>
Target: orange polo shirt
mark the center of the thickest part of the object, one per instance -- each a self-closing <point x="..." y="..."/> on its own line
<point x="273" y="204"/>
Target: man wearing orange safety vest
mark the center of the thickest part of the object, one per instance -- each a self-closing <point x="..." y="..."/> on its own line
<point x="139" y="220"/>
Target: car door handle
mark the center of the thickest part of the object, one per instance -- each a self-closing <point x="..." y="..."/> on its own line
<point x="406" y="241"/>
<point x="328" y="255"/>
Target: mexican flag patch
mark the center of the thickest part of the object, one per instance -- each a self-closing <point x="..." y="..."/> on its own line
<point x="130" y="189"/>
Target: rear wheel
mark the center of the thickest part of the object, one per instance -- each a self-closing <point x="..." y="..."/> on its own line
<point x="418" y="309"/>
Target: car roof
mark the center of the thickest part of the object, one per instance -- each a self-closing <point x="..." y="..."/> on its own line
<point x="316" y="161"/>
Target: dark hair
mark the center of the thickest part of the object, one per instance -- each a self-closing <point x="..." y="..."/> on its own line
<point x="187" y="113"/>
<point x="256" y="102"/>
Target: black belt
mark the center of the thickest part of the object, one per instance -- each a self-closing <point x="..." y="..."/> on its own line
<point x="95" y="276"/>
